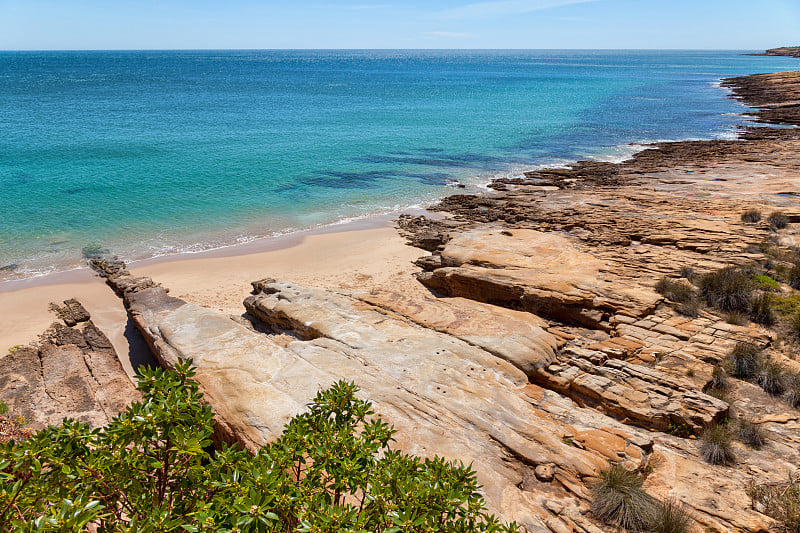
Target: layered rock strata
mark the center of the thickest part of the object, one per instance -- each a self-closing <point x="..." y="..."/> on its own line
<point x="74" y="372"/>
<point x="543" y="352"/>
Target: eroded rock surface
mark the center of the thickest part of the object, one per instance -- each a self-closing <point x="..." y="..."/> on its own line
<point x="543" y="352"/>
<point x="74" y="372"/>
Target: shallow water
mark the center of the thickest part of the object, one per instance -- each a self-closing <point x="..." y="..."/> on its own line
<point x="147" y="153"/>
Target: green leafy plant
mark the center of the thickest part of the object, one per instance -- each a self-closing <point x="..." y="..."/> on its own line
<point x="618" y="498"/>
<point x="751" y="216"/>
<point x="744" y="360"/>
<point x="778" y="220"/>
<point x="671" y="516"/>
<point x="716" y="446"/>
<point x="766" y="282"/>
<point x="153" y="469"/>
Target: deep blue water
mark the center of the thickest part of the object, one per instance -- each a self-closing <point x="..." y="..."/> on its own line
<point x="148" y="153"/>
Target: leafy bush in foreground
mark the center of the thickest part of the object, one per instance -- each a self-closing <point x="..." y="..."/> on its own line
<point x="153" y="470"/>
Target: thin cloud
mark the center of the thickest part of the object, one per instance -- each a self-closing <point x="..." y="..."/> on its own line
<point x="506" y="7"/>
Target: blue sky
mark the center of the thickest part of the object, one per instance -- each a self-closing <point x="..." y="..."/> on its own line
<point x="168" y="24"/>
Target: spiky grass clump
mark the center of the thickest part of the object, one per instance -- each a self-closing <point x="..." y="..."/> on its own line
<point x="750" y="433"/>
<point x="744" y="360"/>
<point x="780" y="501"/>
<point x="688" y="273"/>
<point x="618" y="498"/>
<point x="719" y="385"/>
<point x="719" y="379"/>
<point x="771" y="377"/>
<point x="676" y="291"/>
<point x="736" y="318"/>
<point x="794" y="277"/>
<point x="792" y="392"/>
<point x="751" y="216"/>
<point x="690" y="308"/>
<point x="728" y="289"/>
<point x="761" y="310"/>
<point x="671" y="516"/>
<point x="716" y="445"/>
<point x="778" y="220"/>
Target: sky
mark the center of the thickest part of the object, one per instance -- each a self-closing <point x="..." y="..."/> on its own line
<point x="267" y="24"/>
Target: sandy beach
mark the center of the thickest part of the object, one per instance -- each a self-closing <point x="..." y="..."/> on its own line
<point x="364" y="254"/>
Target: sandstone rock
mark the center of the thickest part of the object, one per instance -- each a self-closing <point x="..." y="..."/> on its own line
<point x="542" y="273"/>
<point x="518" y="337"/>
<point x="74" y="373"/>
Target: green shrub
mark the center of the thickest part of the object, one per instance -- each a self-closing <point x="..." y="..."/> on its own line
<point x="761" y="310"/>
<point x="744" y="360"/>
<point x="671" y="516"/>
<point x="766" y="282"/>
<point x="716" y="446"/>
<point x="618" y="498"/>
<point x="792" y="392"/>
<point x="780" y="501"/>
<point x="153" y="470"/>
<point x="771" y="377"/>
<point x="728" y="289"/>
<point x="751" y="216"/>
<point x="778" y="220"/>
<point x="676" y="291"/>
<point x="750" y="433"/>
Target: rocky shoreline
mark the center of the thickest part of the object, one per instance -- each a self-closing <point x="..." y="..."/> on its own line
<point x="542" y="350"/>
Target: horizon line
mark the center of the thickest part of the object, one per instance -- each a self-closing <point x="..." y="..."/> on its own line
<point x="367" y="49"/>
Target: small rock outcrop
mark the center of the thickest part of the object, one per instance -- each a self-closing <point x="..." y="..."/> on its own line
<point x="74" y="372"/>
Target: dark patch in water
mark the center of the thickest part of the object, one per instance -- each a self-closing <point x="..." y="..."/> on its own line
<point x="75" y="190"/>
<point x="366" y="179"/>
<point x="9" y="268"/>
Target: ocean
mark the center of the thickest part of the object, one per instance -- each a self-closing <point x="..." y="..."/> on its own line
<point x="147" y="153"/>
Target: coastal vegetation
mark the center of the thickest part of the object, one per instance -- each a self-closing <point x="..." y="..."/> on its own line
<point x="154" y="469"/>
<point x="716" y="444"/>
<point x="779" y="500"/>
<point x="619" y="499"/>
<point x="751" y="216"/>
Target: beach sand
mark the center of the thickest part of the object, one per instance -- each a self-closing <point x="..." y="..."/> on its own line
<point x="361" y="255"/>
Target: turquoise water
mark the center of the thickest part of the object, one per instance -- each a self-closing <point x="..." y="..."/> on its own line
<point x="148" y="153"/>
